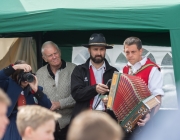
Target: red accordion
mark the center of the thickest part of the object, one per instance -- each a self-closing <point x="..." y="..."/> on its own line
<point x="130" y="99"/>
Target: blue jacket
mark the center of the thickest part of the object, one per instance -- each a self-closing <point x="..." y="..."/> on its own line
<point x="13" y="90"/>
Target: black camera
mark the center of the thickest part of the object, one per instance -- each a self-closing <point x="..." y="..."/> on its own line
<point x="26" y="76"/>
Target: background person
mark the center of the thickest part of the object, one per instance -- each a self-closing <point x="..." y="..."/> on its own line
<point x="4" y="103"/>
<point x="36" y="122"/>
<point x="93" y="125"/>
<point x="21" y="93"/>
<point x="55" y="78"/>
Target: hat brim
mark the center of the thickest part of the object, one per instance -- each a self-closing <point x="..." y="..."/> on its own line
<point x="107" y="46"/>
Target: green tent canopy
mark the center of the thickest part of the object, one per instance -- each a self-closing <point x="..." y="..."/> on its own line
<point x="33" y="15"/>
<point x="71" y="22"/>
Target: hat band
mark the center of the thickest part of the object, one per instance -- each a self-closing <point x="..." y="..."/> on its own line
<point x="98" y="44"/>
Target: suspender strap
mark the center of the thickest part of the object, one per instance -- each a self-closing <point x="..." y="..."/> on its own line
<point x="143" y="67"/>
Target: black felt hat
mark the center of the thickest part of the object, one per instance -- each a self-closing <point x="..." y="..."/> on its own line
<point x="97" y="40"/>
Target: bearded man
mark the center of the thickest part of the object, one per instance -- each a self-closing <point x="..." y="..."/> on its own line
<point x="89" y="80"/>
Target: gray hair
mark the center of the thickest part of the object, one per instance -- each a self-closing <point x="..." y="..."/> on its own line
<point x="133" y="41"/>
<point x="49" y="44"/>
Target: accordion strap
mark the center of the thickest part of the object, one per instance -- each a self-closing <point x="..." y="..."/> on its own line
<point x="144" y="67"/>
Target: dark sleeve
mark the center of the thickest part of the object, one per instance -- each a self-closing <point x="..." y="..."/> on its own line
<point x="115" y="70"/>
<point x="42" y="98"/>
<point x="4" y="76"/>
<point x="39" y="94"/>
<point x="9" y="70"/>
<point x="80" y="90"/>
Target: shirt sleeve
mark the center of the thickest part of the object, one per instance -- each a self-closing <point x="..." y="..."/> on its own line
<point x="155" y="82"/>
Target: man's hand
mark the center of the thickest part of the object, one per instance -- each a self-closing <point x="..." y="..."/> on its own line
<point x="101" y="88"/>
<point x="142" y="122"/>
<point x="55" y="106"/>
<point x="105" y="99"/>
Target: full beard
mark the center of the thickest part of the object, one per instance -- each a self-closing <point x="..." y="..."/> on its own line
<point x="95" y="60"/>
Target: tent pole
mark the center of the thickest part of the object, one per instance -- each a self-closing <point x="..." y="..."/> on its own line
<point x="38" y="39"/>
<point x="174" y="34"/>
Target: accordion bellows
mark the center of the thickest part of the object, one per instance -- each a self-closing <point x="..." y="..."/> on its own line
<point x="130" y="99"/>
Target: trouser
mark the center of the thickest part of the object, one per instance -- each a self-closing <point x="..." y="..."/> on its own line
<point x="60" y="134"/>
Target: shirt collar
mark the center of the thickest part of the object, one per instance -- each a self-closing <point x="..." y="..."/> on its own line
<point x="137" y="65"/>
<point x="142" y="62"/>
<point x="50" y="71"/>
<point x="103" y="66"/>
